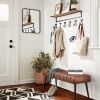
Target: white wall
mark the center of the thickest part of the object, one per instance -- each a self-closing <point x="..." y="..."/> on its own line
<point x="29" y="44"/>
<point x="99" y="24"/>
<point x="90" y="63"/>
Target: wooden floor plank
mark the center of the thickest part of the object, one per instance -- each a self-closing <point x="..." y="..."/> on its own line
<point x="61" y="94"/>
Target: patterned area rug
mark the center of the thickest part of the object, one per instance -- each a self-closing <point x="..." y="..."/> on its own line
<point x="22" y="93"/>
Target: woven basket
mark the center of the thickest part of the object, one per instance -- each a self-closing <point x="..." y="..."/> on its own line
<point x="39" y="78"/>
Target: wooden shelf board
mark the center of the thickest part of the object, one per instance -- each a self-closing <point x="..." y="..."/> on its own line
<point x="67" y="13"/>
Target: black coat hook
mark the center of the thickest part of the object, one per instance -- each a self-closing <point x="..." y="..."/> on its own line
<point x="81" y="21"/>
<point x="55" y="25"/>
<point x="60" y="24"/>
<point x="75" y="23"/>
<point x="64" y="24"/>
<point x="69" y="25"/>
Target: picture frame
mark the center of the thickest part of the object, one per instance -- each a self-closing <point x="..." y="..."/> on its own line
<point x="58" y="9"/>
<point x="65" y="6"/>
<point x="31" y="21"/>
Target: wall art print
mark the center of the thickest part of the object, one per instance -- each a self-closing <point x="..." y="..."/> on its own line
<point x="65" y="6"/>
<point x="31" y="22"/>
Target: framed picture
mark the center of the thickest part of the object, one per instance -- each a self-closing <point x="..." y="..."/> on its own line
<point x="58" y="9"/>
<point x="65" y="6"/>
<point x="31" y="21"/>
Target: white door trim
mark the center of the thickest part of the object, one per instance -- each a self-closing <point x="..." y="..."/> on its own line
<point x="16" y="35"/>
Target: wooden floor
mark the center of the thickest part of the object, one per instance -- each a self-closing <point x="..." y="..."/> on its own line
<point x="61" y="94"/>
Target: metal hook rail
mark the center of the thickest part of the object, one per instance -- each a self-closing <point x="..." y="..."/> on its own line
<point x="68" y="13"/>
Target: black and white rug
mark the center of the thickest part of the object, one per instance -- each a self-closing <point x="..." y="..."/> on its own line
<point x="22" y="93"/>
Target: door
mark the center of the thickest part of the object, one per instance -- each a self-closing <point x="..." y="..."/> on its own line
<point x="8" y="70"/>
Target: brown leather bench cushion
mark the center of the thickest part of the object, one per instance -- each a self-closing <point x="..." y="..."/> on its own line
<point x="75" y="79"/>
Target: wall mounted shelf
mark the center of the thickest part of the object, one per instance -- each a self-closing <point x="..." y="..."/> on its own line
<point x="68" y="13"/>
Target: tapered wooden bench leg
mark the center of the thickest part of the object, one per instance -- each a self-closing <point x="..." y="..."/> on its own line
<point x="74" y="91"/>
<point x="87" y="89"/>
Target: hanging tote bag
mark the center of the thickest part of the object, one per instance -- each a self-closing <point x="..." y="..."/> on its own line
<point x="81" y="43"/>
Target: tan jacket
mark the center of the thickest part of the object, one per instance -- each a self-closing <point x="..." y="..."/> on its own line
<point x="58" y="46"/>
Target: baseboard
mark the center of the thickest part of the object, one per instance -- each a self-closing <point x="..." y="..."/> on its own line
<point x="26" y="81"/>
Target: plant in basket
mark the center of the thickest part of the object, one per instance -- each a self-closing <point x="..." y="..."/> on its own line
<point x="74" y="4"/>
<point x="40" y="63"/>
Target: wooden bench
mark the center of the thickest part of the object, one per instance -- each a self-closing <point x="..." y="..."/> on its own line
<point x="74" y="79"/>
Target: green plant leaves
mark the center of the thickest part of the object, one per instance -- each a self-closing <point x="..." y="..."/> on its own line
<point x="41" y="62"/>
<point x="74" y="2"/>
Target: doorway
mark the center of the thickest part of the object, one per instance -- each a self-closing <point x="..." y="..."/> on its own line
<point x="8" y="44"/>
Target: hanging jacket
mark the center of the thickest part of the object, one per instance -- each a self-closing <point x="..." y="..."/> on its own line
<point x="58" y="45"/>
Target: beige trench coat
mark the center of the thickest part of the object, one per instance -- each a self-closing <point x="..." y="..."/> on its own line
<point x="58" y="45"/>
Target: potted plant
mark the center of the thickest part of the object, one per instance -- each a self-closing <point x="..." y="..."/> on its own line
<point x="74" y="4"/>
<point x="40" y="63"/>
